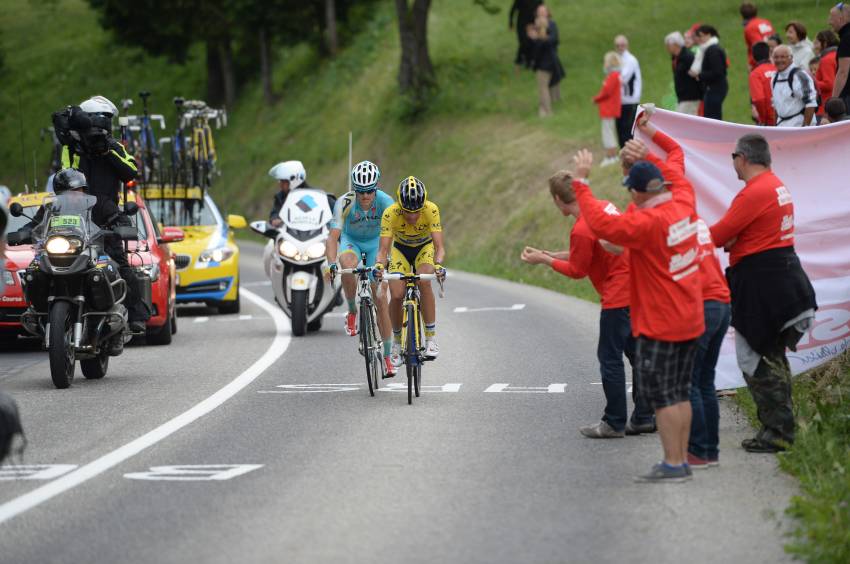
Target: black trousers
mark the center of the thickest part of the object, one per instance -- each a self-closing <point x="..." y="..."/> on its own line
<point x="713" y="101"/>
<point x="624" y="123"/>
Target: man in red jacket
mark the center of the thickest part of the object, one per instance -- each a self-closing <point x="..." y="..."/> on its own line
<point x="755" y="29"/>
<point x="761" y="92"/>
<point x="609" y="274"/>
<point x="660" y="233"/>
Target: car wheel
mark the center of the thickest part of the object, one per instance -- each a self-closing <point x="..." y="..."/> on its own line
<point x="230" y="307"/>
<point x="160" y="335"/>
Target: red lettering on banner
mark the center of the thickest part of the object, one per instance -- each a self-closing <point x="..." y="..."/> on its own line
<point x="831" y="324"/>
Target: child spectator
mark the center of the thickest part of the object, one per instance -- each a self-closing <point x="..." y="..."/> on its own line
<point x="826" y="47"/>
<point x="761" y="93"/>
<point x="608" y="99"/>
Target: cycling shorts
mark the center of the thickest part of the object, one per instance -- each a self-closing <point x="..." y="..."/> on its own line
<point x="407" y="260"/>
<point x="348" y="245"/>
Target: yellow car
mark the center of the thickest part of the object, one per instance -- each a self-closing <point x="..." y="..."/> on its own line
<point x="207" y="259"/>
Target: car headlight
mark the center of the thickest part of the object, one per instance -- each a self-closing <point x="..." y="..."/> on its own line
<point x="316" y="250"/>
<point x="63" y="245"/>
<point x="153" y="271"/>
<point x="287" y="249"/>
<point x="219" y="254"/>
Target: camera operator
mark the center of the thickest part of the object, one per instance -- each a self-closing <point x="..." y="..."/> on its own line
<point x="85" y="132"/>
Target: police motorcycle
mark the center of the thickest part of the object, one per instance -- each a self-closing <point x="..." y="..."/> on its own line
<point x="74" y="289"/>
<point x="294" y="258"/>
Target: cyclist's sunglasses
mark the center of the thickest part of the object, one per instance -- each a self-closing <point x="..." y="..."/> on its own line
<point x="371" y="191"/>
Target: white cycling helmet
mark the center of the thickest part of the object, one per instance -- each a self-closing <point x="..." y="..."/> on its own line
<point x="293" y="171"/>
<point x="364" y="176"/>
<point x="99" y="105"/>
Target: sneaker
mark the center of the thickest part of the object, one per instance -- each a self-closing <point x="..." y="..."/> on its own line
<point x="608" y="161"/>
<point x="761" y="446"/>
<point x="351" y="324"/>
<point x="697" y="463"/>
<point x="137" y="327"/>
<point x="431" y="349"/>
<point x="389" y="367"/>
<point x="662" y="473"/>
<point x="714" y="462"/>
<point x="395" y="354"/>
<point x="601" y="430"/>
<point x="633" y="429"/>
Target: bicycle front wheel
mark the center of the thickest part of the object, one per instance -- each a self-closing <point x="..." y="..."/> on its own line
<point x="411" y="357"/>
<point x="367" y="342"/>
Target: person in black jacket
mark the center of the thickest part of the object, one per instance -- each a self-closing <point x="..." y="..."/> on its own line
<point x="688" y="93"/>
<point x="710" y="70"/>
<point x="525" y="11"/>
<point x="547" y="66"/>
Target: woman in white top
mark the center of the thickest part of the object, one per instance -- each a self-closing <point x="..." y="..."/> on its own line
<point x="801" y="47"/>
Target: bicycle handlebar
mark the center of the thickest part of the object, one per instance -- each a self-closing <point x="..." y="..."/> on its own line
<point x="400" y="276"/>
<point x="354" y="270"/>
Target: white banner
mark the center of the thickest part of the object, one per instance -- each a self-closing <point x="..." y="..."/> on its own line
<point x="811" y="162"/>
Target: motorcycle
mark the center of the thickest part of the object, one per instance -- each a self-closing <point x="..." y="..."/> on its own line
<point x="74" y="289"/>
<point x="294" y="259"/>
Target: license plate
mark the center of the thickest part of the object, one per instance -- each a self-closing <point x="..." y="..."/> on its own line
<point x="66" y="221"/>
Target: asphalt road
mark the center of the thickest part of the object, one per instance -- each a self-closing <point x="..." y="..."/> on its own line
<point x="278" y="454"/>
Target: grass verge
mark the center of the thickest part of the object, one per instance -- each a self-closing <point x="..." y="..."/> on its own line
<point x="820" y="459"/>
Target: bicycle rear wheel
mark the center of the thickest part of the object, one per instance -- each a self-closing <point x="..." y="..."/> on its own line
<point x="367" y="346"/>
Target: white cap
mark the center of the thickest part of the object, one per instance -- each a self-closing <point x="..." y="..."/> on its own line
<point x="293" y="171"/>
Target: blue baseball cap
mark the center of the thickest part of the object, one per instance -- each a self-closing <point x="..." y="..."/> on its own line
<point x="644" y="177"/>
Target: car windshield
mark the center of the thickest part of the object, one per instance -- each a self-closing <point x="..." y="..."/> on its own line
<point x="68" y="214"/>
<point x="184" y="213"/>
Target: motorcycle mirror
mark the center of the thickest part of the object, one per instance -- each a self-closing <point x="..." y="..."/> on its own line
<point x="16" y="209"/>
<point x="264" y="229"/>
<point x="127" y="232"/>
<point x="131" y="208"/>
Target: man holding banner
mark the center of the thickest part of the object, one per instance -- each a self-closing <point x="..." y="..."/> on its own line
<point x="773" y="301"/>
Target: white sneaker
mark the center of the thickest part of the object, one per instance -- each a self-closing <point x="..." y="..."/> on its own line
<point x="431" y="348"/>
<point x="395" y="354"/>
<point x="608" y="161"/>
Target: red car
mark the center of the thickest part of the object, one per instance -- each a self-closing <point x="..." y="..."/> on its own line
<point x="150" y="251"/>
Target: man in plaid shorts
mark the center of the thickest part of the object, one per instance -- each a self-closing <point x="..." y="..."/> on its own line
<point x="660" y="231"/>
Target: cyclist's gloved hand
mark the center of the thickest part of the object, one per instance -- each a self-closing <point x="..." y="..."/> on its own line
<point x="440" y="271"/>
<point x="378" y="270"/>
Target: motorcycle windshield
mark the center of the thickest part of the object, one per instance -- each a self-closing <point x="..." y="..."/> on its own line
<point x="68" y="215"/>
<point x="306" y="209"/>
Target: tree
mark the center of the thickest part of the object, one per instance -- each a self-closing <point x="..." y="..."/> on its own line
<point x="416" y="73"/>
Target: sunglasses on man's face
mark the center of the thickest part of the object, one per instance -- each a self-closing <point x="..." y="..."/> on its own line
<point x="735" y="155"/>
<point x="366" y="192"/>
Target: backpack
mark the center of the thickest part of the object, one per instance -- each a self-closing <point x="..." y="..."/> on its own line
<point x="789" y="80"/>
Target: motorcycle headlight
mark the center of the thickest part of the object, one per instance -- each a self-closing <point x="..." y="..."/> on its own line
<point x="63" y="245"/>
<point x="220" y="254"/>
<point x="287" y="249"/>
<point x="316" y="250"/>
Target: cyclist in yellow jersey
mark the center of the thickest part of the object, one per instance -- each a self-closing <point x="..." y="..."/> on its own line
<point x="412" y="239"/>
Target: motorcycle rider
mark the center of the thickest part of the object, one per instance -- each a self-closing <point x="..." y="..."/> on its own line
<point x="289" y="175"/>
<point x="355" y="229"/>
<point x="88" y="146"/>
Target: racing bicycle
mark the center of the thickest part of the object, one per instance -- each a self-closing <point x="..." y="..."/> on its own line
<point x="371" y="345"/>
<point x="413" y="329"/>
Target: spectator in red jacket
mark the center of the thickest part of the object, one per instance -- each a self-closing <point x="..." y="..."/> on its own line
<point x="826" y="47"/>
<point x="761" y="93"/>
<point x="609" y="274"/>
<point x="609" y="101"/>
<point x="755" y="29"/>
<point x="666" y="296"/>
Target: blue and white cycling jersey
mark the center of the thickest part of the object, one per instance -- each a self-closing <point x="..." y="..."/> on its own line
<point x="359" y="224"/>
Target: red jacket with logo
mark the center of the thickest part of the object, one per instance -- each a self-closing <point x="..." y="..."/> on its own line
<point x="825" y="77"/>
<point x="609" y="96"/>
<point x="714" y="286"/>
<point x="757" y="29"/>
<point x="666" y="293"/>
<point x="608" y="273"/>
<point x="761" y="93"/>
<point x="760" y="218"/>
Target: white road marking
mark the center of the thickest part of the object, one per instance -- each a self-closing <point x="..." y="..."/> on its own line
<point x="201" y="319"/>
<point x="451" y="388"/>
<point x="253" y="284"/>
<point x="48" y="491"/>
<point x="245" y="317"/>
<point x="558" y="388"/>
<point x="515" y="307"/>
<point x="335" y="314"/>
<point x="312" y="388"/>
<point x="193" y="472"/>
<point x="34" y="471"/>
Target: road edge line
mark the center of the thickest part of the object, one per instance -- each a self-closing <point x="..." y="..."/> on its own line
<point x="60" y="485"/>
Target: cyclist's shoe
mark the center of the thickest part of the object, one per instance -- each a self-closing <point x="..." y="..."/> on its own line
<point x="431" y="349"/>
<point x="389" y="367"/>
<point x="395" y="355"/>
<point x="351" y="324"/>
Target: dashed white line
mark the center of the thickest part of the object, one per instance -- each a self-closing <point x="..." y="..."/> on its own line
<point x="201" y="319"/>
<point x="50" y="490"/>
<point x="515" y="307"/>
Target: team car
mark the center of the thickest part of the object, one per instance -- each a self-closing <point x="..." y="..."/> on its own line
<point x="207" y="259"/>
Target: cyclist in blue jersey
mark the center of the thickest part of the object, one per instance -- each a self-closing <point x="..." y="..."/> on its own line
<point x="356" y="229"/>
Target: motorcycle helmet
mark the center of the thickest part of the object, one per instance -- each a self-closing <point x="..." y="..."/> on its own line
<point x="411" y="194"/>
<point x="69" y="179"/>
<point x="364" y="176"/>
<point x="293" y="171"/>
<point x="99" y="105"/>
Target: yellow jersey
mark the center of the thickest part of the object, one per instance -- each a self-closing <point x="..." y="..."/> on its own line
<point x="394" y="225"/>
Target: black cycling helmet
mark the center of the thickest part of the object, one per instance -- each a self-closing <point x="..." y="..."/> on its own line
<point x="69" y="179"/>
<point x="411" y="194"/>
